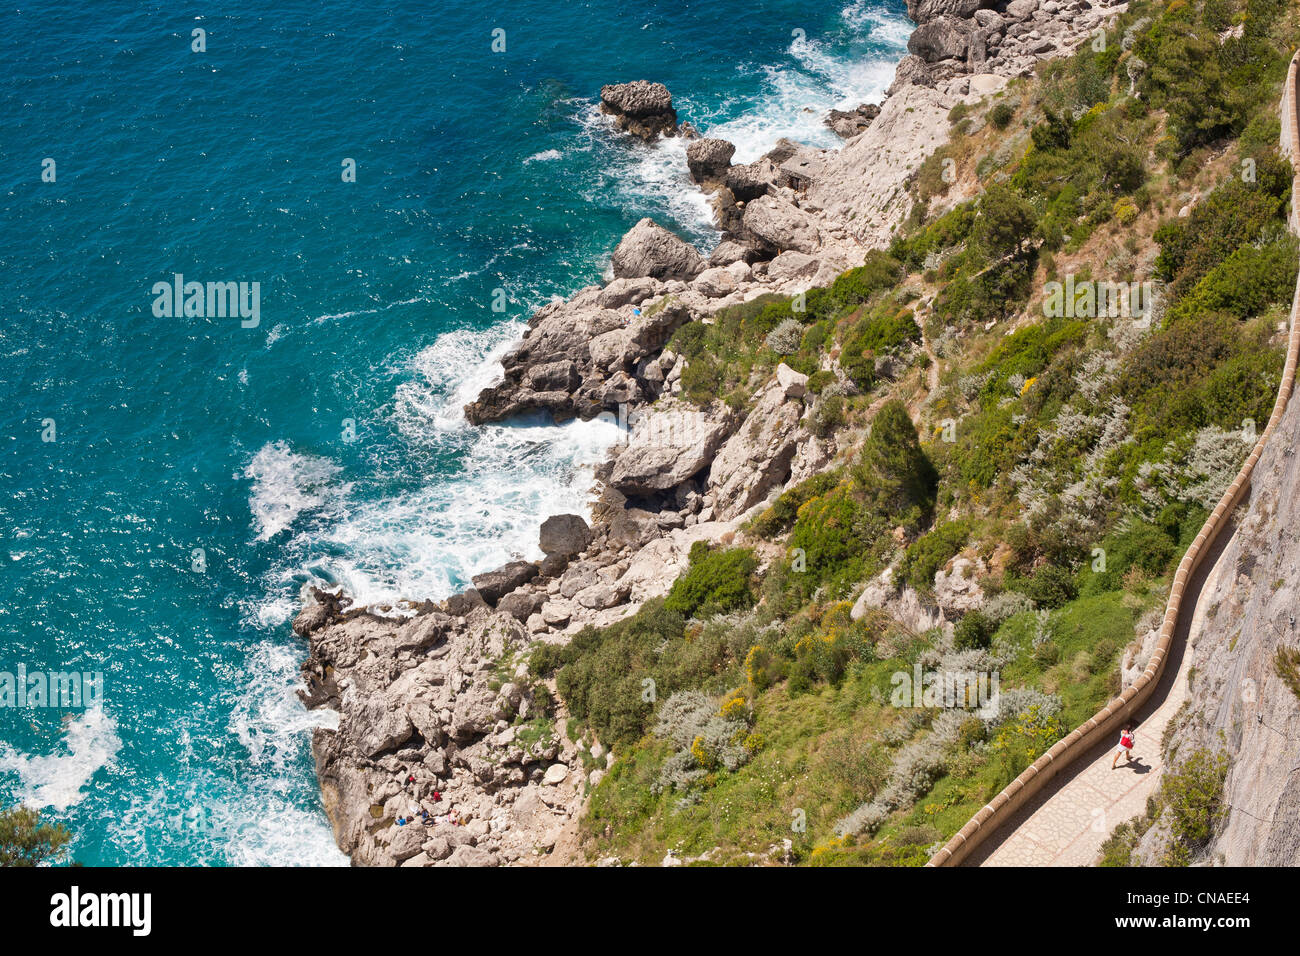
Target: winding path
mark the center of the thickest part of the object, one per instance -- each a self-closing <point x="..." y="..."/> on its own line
<point x="1060" y="810"/>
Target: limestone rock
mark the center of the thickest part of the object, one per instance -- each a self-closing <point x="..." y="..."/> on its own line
<point x="493" y="585"/>
<point x="709" y="159"/>
<point x="564" y="534"/>
<point x="940" y="39"/>
<point x="849" y="123"/>
<point x="667" y="446"/>
<point x="649" y="249"/>
<point x="756" y="459"/>
<point x="782" y="225"/>
<point x="641" y="108"/>
<point x="716" y="282"/>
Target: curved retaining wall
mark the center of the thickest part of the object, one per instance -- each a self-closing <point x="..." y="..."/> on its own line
<point x="1107" y="721"/>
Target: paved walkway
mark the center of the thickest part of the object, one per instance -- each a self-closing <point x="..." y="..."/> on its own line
<point x="1066" y="823"/>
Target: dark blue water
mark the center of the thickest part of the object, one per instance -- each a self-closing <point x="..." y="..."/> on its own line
<point x="201" y="472"/>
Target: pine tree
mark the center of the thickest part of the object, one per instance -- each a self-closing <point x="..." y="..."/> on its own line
<point x="26" y="841"/>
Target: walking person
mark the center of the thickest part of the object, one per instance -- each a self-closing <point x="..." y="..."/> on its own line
<point x="1125" y="747"/>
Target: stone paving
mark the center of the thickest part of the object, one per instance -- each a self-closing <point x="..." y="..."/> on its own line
<point x="1066" y="823"/>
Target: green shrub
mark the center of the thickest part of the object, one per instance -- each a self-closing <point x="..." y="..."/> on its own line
<point x="1000" y="116"/>
<point x="899" y="479"/>
<point x="930" y="552"/>
<point x="1193" y="798"/>
<point x="1004" y="222"/>
<point x="715" y="582"/>
<point x="1050" y="586"/>
<point x="973" y="630"/>
<point x="1244" y="284"/>
<point x="1232" y="215"/>
<point x="780" y="515"/>
<point x="1142" y="545"/>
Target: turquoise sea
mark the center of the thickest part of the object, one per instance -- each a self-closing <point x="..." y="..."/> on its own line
<point x="168" y="485"/>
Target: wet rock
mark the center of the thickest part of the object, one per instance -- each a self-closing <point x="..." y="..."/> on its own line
<point x="641" y="108"/>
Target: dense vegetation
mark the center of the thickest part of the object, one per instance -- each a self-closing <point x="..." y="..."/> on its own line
<point x="1067" y="459"/>
<point x="27" y="841"/>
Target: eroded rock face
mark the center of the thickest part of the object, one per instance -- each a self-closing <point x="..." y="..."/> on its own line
<point x="650" y="250"/>
<point x="923" y="11"/>
<point x="579" y="359"/>
<point x="941" y="39"/>
<point x="641" y="108"/>
<point x="756" y="459"/>
<point x="422" y="715"/>
<point x="667" y="446"/>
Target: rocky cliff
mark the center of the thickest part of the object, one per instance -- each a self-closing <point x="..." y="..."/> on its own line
<point x="437" y="712"/>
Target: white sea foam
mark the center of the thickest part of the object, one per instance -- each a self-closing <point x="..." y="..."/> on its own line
<point x="240" y="801"/>
<point x="828" y="73"/>
<point x="545" y="155"/>
<point x="475" y="499"/>
<point x="652" y="177"/>
<point x="90" y="742"/>
<point x="286" y="484"/>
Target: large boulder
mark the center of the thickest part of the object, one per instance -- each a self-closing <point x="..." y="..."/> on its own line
<point x="756" y="459"/>
<point x="493" y="585"/>
<point x="923" y="11"/>
<point x="782" y="225"/>
<point x="716" y="282"/>
<point x="641" y="108"/>
<point x="564" y="534"/>
<point x="709" y="159"/>
<point x="649" y="249"/>
<point x="667" y="446"/>
<point x="941" y="39"/>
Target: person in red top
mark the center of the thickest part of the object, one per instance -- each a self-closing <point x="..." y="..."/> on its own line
<point x="1125" y="747"/>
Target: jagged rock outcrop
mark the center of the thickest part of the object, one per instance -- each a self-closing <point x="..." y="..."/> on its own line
<point x="641" y="108"/>
<point x="923" y="11"/>
<point x="579" y="359"/>
<point x="849" y="123"/>
<point x="755" y="460"/>
<point x="709" y="159"/>
<point x="940" y="39"/>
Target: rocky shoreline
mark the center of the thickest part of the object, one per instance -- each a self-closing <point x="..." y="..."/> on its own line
<point x="442" y="702"/>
